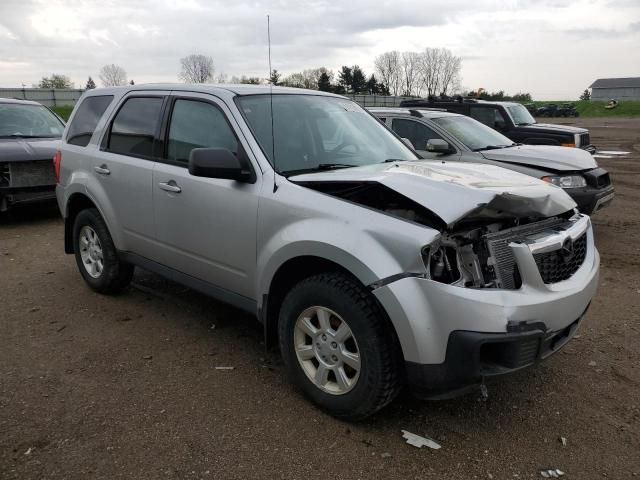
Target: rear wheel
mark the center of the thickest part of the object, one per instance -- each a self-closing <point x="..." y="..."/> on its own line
<point x="96" y="255"/>
<point x="338" y="346"/>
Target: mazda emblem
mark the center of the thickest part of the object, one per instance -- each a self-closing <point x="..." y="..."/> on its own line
<point x="567" y="251"/>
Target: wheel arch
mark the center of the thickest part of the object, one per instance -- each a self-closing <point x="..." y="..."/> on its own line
<point x="291" y="272"/>
<point x="76" y="203"/>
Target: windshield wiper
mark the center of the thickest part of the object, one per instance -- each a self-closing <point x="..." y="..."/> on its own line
<point x="318" y="168"/>
<point x="523" y="123"/>
<point x="331" y="166"/>
<point x="491" y="147"/>
<point x="19" y="135"/>
<point x="391" y="160"/>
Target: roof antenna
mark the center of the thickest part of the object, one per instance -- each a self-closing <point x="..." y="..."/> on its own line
<point x="273" y="137"/>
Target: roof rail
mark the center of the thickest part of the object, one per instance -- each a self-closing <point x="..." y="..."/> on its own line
<point x="416" y="113"/>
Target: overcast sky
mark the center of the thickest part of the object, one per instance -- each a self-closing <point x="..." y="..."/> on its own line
<point x="551" y="48"/>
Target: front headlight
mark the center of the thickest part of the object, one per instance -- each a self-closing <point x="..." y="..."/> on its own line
<point x="566" y="181"/>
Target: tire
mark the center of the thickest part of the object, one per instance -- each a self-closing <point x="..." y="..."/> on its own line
<point x="343" y="299"/>
<point x="110" y="275"/>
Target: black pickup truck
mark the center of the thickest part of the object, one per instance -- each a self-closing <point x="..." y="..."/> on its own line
<point x="511" y="119"/>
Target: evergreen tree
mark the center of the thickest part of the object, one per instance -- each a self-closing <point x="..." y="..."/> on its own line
<point x="586" y="95"/>
<point x="358" y="80"/>
<point x="90" y="84"/>
<point x="274" y="79"/>
<point x="345" y="79"/>
<point x="324" y="83"/>
<point x="373" y="87"/>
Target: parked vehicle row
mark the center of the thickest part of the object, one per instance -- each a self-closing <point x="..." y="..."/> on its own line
<point x="437" y="134"/>
<point x="369" y="266"/>
<point x="511" y="119"/>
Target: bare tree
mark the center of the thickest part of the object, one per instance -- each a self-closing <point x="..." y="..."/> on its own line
<point x="113" y="76"/>
<point x="196" y="68"/>
<point x="439" y="71"/>
<point x="388" y="68"/>
<point x="410" y="68"/>
<point x="450" y="66"/>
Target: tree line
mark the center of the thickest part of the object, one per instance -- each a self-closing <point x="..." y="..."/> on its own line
<point x="434" y="71"/>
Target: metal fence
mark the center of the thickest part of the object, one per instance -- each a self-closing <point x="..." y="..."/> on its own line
<point x="50" y="97"/>
<point x="377" y="100"/>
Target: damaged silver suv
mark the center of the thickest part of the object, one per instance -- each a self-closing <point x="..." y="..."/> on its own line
<point x="370" y="267"/>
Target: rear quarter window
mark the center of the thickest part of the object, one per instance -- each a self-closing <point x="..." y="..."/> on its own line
<point x="86" y="119"/>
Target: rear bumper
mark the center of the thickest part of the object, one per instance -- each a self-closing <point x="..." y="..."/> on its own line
<point x="473" y="356"/>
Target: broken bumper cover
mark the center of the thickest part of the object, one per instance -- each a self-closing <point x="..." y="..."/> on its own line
<point x="474" y="356"/>
<point x="438" y="324"/>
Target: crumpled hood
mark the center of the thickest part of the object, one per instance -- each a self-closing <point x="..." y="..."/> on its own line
<point x="452" y="190"/>
<point x="23" y="149"/>
<point x="548" y="157"/>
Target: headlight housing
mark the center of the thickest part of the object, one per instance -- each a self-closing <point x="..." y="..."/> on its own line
<point x="566" y="181"/>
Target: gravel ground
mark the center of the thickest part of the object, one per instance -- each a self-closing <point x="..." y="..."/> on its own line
<point x="127" y="386"/>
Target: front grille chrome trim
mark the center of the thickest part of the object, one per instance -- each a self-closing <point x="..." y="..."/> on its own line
<point x="554" y="241"/>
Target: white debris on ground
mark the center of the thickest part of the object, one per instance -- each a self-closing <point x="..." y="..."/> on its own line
<point x="552" y="473"/>
<point x="418" y="441"/>
<point x="225" y="368"/>
<point x="613" y="152"/>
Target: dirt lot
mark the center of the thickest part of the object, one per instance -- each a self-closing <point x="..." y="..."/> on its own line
<point x="126" y="387"/>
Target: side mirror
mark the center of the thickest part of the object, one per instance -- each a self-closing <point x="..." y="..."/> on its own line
<point x="437" y="145"/>
<point x="218" y="163"/>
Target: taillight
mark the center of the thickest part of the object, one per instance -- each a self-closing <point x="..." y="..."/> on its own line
<point x="57" y="162"/>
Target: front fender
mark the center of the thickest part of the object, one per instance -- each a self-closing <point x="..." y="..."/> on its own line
<point x="356" y="251"/>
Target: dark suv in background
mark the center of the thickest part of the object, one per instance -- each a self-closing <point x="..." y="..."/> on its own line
<point x="511" y="119"/>
<point x="29" y="133"/>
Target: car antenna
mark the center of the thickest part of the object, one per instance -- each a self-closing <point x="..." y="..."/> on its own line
<point x="273" y="137"/>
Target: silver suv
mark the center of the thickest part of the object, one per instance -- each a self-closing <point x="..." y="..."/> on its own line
<point x="370" y="267"/>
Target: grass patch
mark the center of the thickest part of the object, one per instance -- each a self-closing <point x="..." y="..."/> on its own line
<point x="64" y="111"/>
<point x="589" y="109"/>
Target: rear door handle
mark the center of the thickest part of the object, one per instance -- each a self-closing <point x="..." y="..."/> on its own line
<point x="170" y="186"/>
<point x="102" y="170"/>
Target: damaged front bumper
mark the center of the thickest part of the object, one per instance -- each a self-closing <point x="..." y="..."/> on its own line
<point x="453" y="336"/>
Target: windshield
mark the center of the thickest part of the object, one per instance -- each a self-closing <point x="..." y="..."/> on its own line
<point x="20" y="120"/>
<point x="317" y="132"/>
<point x="475" y="135"/>
<point x="520" y="115"/>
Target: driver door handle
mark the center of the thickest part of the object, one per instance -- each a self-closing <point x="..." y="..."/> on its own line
<point x="170" y="186"/>
<point x="102" y="169"/>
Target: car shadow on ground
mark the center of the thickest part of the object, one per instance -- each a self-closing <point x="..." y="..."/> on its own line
<point x="27" y="214"/>
<point x="471" y="412"/>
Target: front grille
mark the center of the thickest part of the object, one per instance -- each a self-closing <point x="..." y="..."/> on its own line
<point x="31" y="174"/>
<point x="560" y="264"/>
<point x="504" y="263"/>
<point x="585" y="140"/>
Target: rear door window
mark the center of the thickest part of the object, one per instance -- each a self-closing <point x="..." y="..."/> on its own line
<point x="86" y="119"/>
<point x="490" y="116"/>
<point x="416" y="132"/>
<point x="196" y="124"/>
<point x="135" y="126"/>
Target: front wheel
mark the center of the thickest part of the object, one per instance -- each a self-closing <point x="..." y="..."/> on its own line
<point x="338" y="347"/>
<point x="96" y="255"/>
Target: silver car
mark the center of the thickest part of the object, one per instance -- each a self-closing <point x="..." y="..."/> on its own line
<point x="368" y="266"/>
<point x="437" y="134"/>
